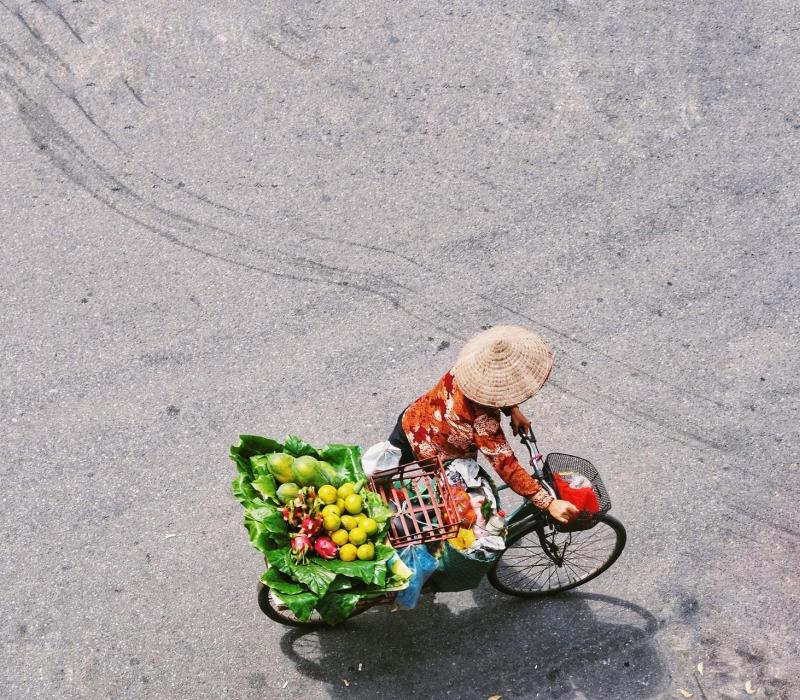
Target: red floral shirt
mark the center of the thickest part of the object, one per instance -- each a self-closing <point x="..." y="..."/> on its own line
<point x="445" y="422"/>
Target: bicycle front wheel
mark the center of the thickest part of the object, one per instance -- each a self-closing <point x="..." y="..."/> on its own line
<point x="524" y="569"/>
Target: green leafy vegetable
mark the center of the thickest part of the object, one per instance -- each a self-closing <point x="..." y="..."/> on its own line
<point x="345" y="459"/>
<point x="379" y="511"/>
<point x="297" y="447"/>
<point x="266" y="486"/>
<point x="316" y="577"/>
<point x="370" y="572"/>
<point x="242" y="490"/>
<point x="337" y="607"/>
<point x="301" y="604"/>
<point x="279" y="583"/>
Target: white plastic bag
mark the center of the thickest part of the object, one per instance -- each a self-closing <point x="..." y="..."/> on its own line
<point x="382" y="456"/>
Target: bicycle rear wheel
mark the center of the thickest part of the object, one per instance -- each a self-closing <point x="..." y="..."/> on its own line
<point x="524" y="569"/>
<point x="275" y="609"/>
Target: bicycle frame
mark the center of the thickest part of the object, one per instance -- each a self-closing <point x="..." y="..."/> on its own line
<point x="527" y="516"/>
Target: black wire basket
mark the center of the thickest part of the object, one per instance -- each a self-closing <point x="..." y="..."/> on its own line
<point x="564" y="464"/>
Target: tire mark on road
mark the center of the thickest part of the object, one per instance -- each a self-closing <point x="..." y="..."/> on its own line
<point x="44" y="46"/>
<point x="59" y="14"/>
<point x="603" y="406"/>
<point x="133" y="92"/>
<point x="189" y="223"/>
<point x="48" y="136"/>
<point x="516" y="312"/>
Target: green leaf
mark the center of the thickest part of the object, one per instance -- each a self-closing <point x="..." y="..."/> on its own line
<point x="250" y="445"/>
<point x="268" y="515"/>
<point x="266" y="486"/>
<point x="340" y="583"/>
<point x="337" y="607"/>
<point x="242" y="464"/>
<point x="312" y="574"/>
<point x="258" y="465"/>
<point x="265" y="526"/>
<point x="345" y="459"/>
<point x="379" y="511"/>
<point x="279" y="583"/>
<point x="370" y="572"/>
<point x="301" y="604"/>
<point x="297" y="447"/>
<point x="242" y="490"/>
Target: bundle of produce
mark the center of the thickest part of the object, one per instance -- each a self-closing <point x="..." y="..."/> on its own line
<point x="323" y="533"/>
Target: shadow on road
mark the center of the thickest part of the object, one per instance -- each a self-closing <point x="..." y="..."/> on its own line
<point x="594" y="644"/>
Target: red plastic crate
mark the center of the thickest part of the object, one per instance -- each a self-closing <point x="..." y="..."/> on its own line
<point x="420" y="496"/>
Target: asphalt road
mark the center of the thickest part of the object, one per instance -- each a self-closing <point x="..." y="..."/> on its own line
<point x="233" y="217"/>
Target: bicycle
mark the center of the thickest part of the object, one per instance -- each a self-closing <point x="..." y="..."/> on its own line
<point x="539" y="550"/>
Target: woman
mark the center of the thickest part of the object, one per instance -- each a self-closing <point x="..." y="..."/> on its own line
<point x="496" y="371"/>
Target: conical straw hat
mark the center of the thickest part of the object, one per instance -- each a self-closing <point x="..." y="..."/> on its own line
<point x="503" y="366"/>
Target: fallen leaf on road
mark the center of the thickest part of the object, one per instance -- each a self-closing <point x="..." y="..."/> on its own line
<point x="700" y="668"/>
<point x="346" y="682"/>
<point x="495" y="697"/>
<point x="748" y="687"/>
<point x="685" y="693"/>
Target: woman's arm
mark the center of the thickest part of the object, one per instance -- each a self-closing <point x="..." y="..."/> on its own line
<point x="489" y="438"/>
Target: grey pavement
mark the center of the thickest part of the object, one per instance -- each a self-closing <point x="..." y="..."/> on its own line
<point x="287" y="217"/>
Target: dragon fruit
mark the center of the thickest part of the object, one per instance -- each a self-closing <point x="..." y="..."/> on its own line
<point x="310" y="525"/>
<point x="325" y="547"/>
<point x="300" y="545"/>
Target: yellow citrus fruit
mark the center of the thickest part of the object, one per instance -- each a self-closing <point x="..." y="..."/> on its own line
<point x="331" y="510"/>
<point x="340" y="537"/>
<point x="327" y="494"/>
<point x="349" y="522"/>
<point x="346" y="489"/>
<point x="360" y="517"/>
<point x="340" y="505"/>
<point x="331" y="522"/>
<point x="366" y="552"/>
<point x="369" y="526"/>
<point x="348" y="552"/>
<point x="352" y="503"/>
<point x="358" y="536"/>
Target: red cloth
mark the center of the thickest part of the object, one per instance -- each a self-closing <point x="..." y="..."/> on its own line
<point x="583" y="498"/>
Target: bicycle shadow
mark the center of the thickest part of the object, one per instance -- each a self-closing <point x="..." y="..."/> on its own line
<point x="586" y="643"/>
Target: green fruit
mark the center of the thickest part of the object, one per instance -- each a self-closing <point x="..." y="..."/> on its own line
<point x="280" y="466"/>
<point x="329" y="471"/>
<point x="369" y="526"/>
<point x="349" y="522"/>
<point x="348" y="552"/>
<point x="304" y="470"/>
<point x="346" y="489"/>
<point x="307" y="471"/>
<point x="331" y="510"/>
<point x="353" y="503"/>
<point x="331" y="522"/>
<point x="340" y="537"/>
<point x="357" y="536"/>
<point x="287" y="492"/>
<point x="327" y="494"/>
<point x="366" y="552"/>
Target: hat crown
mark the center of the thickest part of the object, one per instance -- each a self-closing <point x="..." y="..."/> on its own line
<point x="501" y="348"/>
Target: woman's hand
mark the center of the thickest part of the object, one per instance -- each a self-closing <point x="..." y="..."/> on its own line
<point x="519" y="423"/>
<point x="563" y="511"/>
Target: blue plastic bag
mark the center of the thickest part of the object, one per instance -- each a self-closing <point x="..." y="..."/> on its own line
<point x="422" y="564"/>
